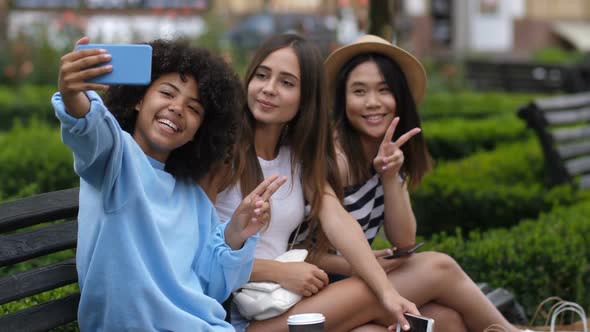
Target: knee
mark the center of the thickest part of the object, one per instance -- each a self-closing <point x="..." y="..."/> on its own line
<point x="443" y="263"/>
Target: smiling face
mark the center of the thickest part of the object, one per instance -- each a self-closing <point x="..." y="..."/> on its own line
<point x="370" y="104"/>
<point x="274" y="90"/>
<point x="169" y="115"/>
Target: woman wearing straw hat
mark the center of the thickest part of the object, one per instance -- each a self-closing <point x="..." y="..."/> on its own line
<point x="376" y="88"/>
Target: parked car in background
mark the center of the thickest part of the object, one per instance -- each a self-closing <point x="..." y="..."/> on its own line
<point x="251" y="30"/>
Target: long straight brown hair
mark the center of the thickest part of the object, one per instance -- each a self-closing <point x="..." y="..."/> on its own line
<point x="307" y="134"/>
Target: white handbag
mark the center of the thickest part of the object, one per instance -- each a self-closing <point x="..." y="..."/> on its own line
<point x="260" y="300"/>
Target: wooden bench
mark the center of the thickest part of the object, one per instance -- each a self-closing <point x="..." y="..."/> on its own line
<point x="521" y="76"/>
<point x="54" y="217"/>
<point x="562" y="125"/>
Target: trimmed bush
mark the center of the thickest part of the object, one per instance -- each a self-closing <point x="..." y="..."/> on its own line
<point x="472" y="104"/>
<point x="34" y="160"/>
<point x="457" y="138"/>
<point x="536" y="259"/>
<point x="24" y="103"/>
<point x="487" y="190"/>
<point x="558" y="56"/>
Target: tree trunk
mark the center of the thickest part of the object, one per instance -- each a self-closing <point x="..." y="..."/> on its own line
<point x="381" y="18"/>
<point x="4" y="12"/>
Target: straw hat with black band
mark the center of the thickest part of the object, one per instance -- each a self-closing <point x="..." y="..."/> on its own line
<point x="413" y="70"/>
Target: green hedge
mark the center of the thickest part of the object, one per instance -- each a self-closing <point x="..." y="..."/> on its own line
<point x="34" y="160"/>
<point x="536" y="259"/>
<point x="24" y="103"/>
<point x="456" y="138"/>
<point x="29" y="101"/>
<point x="558" y="56"/>
<point x="487" y="190"/>
<point x="472" y="104"/>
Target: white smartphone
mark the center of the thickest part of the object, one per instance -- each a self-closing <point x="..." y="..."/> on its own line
<point x="417" y="324"/>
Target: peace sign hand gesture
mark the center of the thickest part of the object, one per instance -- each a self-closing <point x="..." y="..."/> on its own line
<point x="390" y="157"/>
<point x="253" y="213"/>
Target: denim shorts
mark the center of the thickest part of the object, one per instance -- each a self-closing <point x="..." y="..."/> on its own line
<point x="239" y="322"/>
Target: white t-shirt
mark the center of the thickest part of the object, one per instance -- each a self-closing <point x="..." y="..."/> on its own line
<point x="286" y="205"/>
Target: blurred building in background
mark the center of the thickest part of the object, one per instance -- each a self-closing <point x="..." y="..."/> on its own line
<point x="518" y="26"/>
<point x="427" y="27"/>
<point x="109" y="21"/>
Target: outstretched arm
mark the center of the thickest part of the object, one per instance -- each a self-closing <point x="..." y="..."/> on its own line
<point x="87" y="127"/>
<point x="347" y="236"/>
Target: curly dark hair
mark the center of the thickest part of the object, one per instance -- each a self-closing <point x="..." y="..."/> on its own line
<point x="221" y="95"/>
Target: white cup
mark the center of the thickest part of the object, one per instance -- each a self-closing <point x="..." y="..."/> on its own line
<point x="311" y="322"/>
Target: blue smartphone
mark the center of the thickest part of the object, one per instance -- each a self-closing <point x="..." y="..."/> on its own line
<point x="132" y="64"/>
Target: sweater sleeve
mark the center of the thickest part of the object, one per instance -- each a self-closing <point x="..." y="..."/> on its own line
<point x="94" y="139"/>
<point x="221" y="269"/>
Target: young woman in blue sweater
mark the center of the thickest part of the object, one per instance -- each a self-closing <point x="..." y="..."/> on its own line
<point x="152" y="255"/>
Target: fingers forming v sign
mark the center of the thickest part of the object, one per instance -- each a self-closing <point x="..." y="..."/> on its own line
<point x="390" y="157"/>
<point x="254" y="211"/>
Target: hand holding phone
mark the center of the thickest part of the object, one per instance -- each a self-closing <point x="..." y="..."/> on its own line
<point x="417" y="323"/>
<point x="405" y="251"/>
<point x="132" y="63"/>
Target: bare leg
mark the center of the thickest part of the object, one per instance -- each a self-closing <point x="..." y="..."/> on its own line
<point x="370" y="328"/>
<point x="445" y="318"/>
<point x="423" y="278"/>
<point x="346" y="304"/>
<point x="435" y="277"/>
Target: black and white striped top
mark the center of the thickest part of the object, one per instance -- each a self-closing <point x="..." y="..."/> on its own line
<point x="365" y="203"/>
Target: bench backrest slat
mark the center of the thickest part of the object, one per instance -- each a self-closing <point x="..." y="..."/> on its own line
<point x="42" y="317"/>
<point x="570" y="134"/>
<point x="21" y="246"/>
<point x="568" y="117"/>
<point x="38" y="209"/>
<point x="570" y="150"/>
<point x="21" y="285"/>
<point x="563" y="102"/>
<point x="578" y="166"/>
